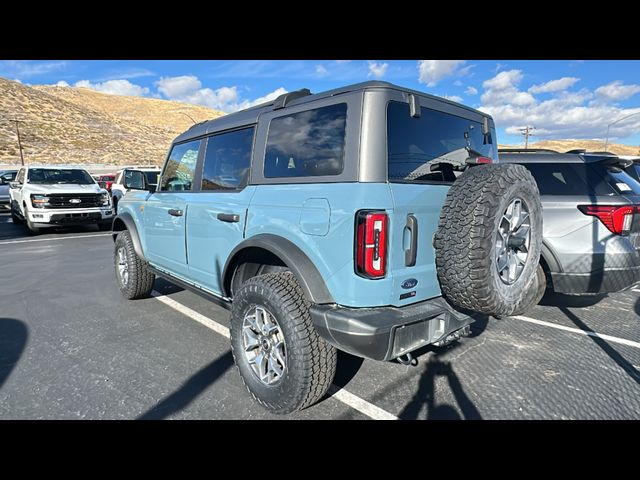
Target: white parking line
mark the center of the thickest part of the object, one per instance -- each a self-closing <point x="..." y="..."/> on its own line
<point x="54" y="238"/>
<point x="348" y="398"/>
<point x="588" y="333"/>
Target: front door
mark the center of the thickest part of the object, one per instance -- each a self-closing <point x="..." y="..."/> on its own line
<point x="217" y="215"/>
<point x="165" y="212"/>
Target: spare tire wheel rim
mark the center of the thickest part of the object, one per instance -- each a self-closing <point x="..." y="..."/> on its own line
<point x="512" y="241"/>
<point x="264" y="346"/>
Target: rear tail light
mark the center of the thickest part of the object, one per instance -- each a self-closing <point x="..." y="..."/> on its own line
<point x="617" y="219"/>
<point x="371" y="244"/>
<point x="478" y="160"/>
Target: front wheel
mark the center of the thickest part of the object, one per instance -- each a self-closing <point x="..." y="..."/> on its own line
<point x="134" y="279"/>
<point x="282" y="360"/>
<point x="32" y="228"/>
<point x="15" y="217"/>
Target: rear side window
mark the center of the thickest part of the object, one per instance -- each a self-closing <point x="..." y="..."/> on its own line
<point x="307" y="144"/>
<point x="432" y="147"/>
<point x="181" y="167"/>
<point x="227" y="160"/>
<point x="570" y="179"/>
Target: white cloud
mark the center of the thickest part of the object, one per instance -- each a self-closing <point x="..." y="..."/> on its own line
<point x="471" y="90"/>
<point x="377" y="69"/>
<point x="61" y="83"/>
<point x="113" y="87"/>
<point x="499" y="66"/>
<point x="454" y="98"/>
<point x="554" y="85"/>
<point x="502" y="89"/>
<point x="566" y="115"/>
<point x="463" y="72"/>
<point x="343" y="61"/>
<point x="321" y="71"/>
<point x="457" y="83"/>
<point x="616" y="91"/>
<point x="432" y="71"/>
<point x="188" y="89"/>
<point x="28" y="68"/>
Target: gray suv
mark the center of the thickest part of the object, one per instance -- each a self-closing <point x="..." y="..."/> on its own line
<point x="591" y="212"/>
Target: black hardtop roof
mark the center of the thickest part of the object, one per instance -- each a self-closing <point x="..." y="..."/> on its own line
<point x="250" y="115"/>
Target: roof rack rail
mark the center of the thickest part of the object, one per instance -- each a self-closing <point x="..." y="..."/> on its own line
<point x="526" y="150"/>
<point x="286" y="98"/>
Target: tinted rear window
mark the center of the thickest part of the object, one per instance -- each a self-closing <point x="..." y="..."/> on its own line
<point x="432" y="147"/>
<point x="305" y="144"/>
<point x="581" y="179"/>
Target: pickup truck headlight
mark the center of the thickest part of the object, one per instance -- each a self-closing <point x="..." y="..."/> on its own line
<point x="39" y="201"/>
<point x="105" y="199"/>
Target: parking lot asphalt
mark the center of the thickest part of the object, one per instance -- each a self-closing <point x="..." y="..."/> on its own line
<point x="72" y="348"/>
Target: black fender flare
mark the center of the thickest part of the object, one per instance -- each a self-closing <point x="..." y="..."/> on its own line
<point x="308" y="276"/>
<point x="124" y="221"/>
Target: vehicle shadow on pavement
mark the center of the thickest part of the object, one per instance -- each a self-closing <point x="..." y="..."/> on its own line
<point x="10" y="231"/>
<point x="166" y="288"/>
<point x="605" y="346"/>
<point x="193" y="387"/>
<point x="13" y="338"/>
<point x="553" y="299"/>
<point x="425" y="396"/>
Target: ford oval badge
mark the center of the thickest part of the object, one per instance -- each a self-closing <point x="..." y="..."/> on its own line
<point x="409" y="283"/>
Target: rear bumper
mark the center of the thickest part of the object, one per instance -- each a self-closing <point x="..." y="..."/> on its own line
<point x="386" y="333"/>
<point x="603" y="281"/>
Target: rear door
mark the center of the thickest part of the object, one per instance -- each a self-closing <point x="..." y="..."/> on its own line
<point x="165" y="211"/>
<point x="425" y="154"/>
<point x="217" y="215"/>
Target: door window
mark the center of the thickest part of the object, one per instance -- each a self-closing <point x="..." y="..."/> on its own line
<point x="180" y="169"/>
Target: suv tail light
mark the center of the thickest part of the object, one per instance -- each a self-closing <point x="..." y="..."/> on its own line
<point x="616" y="218"/>
<point x="478" y="160"/>
<point x="371" y="244"/>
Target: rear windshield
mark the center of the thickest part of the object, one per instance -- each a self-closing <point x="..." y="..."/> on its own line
<point x="581" y="179"/>
<point x="50" y="176"/>
<point x="432" y="147"/>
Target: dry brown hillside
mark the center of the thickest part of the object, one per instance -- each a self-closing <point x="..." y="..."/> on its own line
<point x="78" y="125"/>
<point x="591" y="145"/>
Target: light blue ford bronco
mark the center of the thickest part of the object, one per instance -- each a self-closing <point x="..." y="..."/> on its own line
<point x="371" y="218"/>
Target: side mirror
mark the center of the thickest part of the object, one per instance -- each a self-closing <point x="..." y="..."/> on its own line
<point x="134" y="180"/>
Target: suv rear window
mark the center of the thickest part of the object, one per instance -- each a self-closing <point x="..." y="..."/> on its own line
<point x="307" y="144"/>
<point x="432" y="147"/>
<point x="581" y="179"/>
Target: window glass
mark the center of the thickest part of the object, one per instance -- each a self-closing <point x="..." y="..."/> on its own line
<point x="432" y="147"/>
<point x="227" y="160"/>
<point x="51" y="176"/>
<point x="134" y="179"/>
<point x="20" y="176"/>
<point x="309" y="143"/>
<point x="181" y="167"/>
<point x="570" y="178"/>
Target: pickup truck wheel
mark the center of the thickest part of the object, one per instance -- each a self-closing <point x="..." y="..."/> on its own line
<point x="489" y="239"/>
<point x="282" y="360"/>
<point x="134" y="279"/>
<point x="32" y="228"/>
<point x="15" y="218"/>
<point x="104" y="226"/>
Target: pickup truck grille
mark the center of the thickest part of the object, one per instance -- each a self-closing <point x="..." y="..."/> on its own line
<point x="87" y="200"/>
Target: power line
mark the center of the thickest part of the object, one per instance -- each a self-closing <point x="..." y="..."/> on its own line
<point x="526" y="132"/>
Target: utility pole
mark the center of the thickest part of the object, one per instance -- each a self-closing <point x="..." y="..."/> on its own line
<point x="19" y="141"/>
<point x="526" y="131"/>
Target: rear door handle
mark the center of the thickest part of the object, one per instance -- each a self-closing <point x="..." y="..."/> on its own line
<point x="229" y="217"/>
<point x="411" y="254"/>
<point x="175" y="213"/>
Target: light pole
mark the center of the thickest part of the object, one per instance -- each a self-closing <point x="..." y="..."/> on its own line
<point x="606" y="140"/>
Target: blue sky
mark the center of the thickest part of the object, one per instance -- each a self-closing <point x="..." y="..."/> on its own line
<point x="560" y="98"/>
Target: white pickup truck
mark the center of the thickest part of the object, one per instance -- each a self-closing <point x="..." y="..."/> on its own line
<point x="46" y="196"/>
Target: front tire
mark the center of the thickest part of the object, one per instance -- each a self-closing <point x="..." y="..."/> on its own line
<point x="15" y="217"/>
<point x="282" y="360"/>
<point x="134" y="279"/>
<point x="32" y="228"/>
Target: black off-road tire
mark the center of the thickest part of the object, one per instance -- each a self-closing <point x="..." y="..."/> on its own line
<point x="140" y="279"/>
<point x="465" y="242"/>
<point x="15" y="218"/>
<point x="534" y="294"/>
<point x="311" y="362"/>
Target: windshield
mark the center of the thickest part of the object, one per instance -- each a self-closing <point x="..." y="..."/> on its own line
<point x="152" y="177"/>
<point x="433" y="147"/>
<point x="51" y="176"/>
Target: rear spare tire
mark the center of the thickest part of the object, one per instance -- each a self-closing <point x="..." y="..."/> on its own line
<point x="489" y="238"/>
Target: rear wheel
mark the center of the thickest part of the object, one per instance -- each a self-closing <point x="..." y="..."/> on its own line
<point x="134" y="279"/>
<point x="282" y="360"/>
<point x="489" y="239"/>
